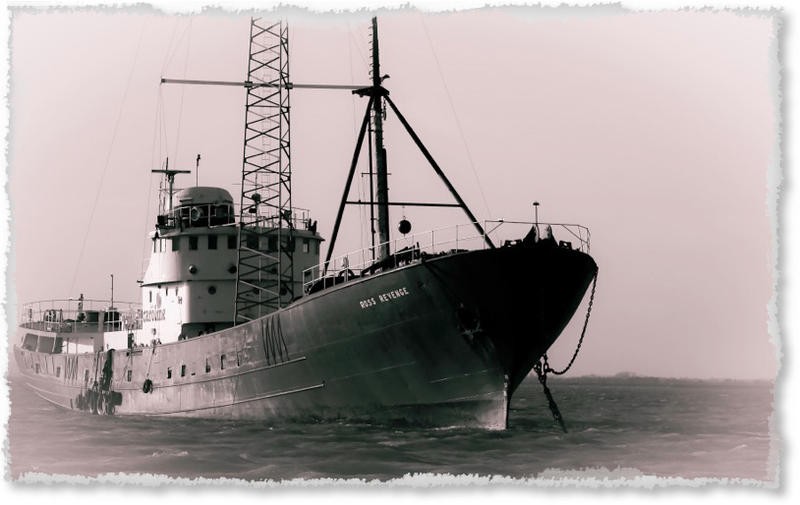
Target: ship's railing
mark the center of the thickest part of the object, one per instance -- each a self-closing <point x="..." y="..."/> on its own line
<point x="574" y="236"/>
<point x="299" y="217"/>
<point x="73" y="315"/>
<point x="207" y="216"/>
<point x="452" y="239"/>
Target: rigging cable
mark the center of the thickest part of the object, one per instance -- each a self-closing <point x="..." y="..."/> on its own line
<point x="171" y="55"/>
<point x="108" y="157"/>
<point x="455" y="115"/>
<point x="160" y="140"/>
<point x="361" y="210"/>
<point x="155" y="156"/>
<point x="183" y="88"/>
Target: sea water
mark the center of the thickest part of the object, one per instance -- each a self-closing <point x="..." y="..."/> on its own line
<point x="629" y="425"/>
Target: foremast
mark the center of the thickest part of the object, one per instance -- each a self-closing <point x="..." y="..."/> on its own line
<point x="382" y="190"/>
<point x="375" y="114"/>
<point x="264" y="279"/>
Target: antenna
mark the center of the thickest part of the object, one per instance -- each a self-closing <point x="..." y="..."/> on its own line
<point x="197" y="170"/>
<point x="382" y="191"/>
<point x="265" y="280"/>
<point x="265" y="273"/>
<point x="266" y="158"/>
<point x="170" y="175"/>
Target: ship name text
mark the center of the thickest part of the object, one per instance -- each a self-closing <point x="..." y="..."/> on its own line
<point x="384" y="297"/>
<point x="154" y="315"/>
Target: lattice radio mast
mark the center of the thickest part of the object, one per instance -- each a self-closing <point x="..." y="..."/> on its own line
<point x="266" y="226"/>
<point x="266" y="230"/>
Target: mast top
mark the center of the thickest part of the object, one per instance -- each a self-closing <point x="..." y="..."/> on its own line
<point x="170" y="174"/>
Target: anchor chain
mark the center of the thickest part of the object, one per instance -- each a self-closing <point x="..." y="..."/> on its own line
<point x="547" y="368"/>
<point x="542" y="367"/>
<point x="542" y="374"/>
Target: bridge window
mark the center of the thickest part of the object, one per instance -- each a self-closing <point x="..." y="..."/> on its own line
<point x="252" y="241"/>
<point x="58" y="371"/>
<point x="193" y="243"/>
<point x="306" y="245"/>
<point x="176" y="243"/>
<point x="169" y="372"/>
<point x="222" y="362"/>
<point x="231" y="241"/>
<point x="208" y="366"/>
<point x="212" y="241"/>
<point x="129" y="375"/>
<point x="272" y="243"/>
<point x="30" y="341"/>
<point x="183" y="370"/>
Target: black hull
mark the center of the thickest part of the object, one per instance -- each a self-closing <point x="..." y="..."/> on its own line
<point x="445" y="341"/>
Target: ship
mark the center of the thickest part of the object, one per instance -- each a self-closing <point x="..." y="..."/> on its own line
<point x="241" y="318"/>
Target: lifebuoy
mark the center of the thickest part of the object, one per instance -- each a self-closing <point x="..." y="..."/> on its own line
<point x="147" y="386"/>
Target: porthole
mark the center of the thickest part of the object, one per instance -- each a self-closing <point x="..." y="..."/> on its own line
<point x="232" y="269"/>
<point x="192" y="269"/>
<point x="212" y="290"/>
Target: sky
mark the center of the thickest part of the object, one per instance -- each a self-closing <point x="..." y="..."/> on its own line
<point x="611" y="351"/>
<point x="657" y="130"/>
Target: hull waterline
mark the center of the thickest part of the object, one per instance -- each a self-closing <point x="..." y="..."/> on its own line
<point x="443" y="341"/>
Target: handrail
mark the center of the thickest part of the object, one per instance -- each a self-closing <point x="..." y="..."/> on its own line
<point x="73" y="315"/>
<point x="448" y="239"/>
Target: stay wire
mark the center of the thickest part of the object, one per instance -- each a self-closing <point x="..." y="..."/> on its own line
<point x="183" y="90"/>
<point x="172" y="50"/>
<point x="108" y="157"/>
<point x="155" y="157"/>
<point x="455" y="115"/>
<point x="361" y="208"/>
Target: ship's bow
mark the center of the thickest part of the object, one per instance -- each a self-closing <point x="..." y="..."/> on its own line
<point x="518" y="298"/>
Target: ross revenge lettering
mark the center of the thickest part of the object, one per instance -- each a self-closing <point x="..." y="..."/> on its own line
<point x="388" y="296"/>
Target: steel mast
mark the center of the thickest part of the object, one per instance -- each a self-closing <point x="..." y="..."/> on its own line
<point x="375" y="111"/>
<point x="265" y="280"/>
<point x="266" y="229"/>
<point x="382" y="190"/>
<point x="264" y="274"/>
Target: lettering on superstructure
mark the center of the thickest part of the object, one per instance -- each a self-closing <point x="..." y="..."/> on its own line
<point x="154" y="315"/>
